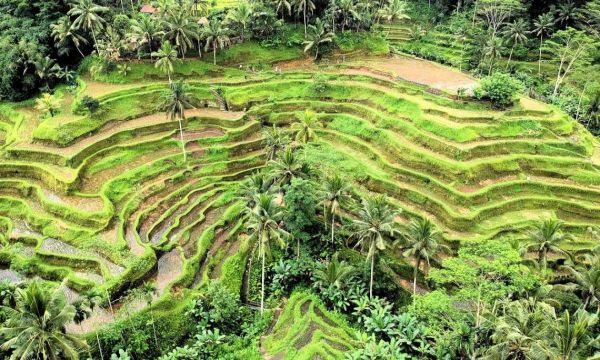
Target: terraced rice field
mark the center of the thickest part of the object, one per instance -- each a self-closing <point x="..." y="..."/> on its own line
<point x="106" y="201"/>
<point x="306" y="330"/>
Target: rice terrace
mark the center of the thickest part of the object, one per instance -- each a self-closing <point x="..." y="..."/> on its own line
<point x="302" y="179"/>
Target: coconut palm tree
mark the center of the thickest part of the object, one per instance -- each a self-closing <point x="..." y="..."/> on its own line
<point x="395" y="10"/>
<point x="263" y="228"/>
<point x="35" y="328"/>
<point x="147" y="292"/>
<point x="144" y="30"/>
<point x="572" y="335"/>
<point x="286" y="167"/>
<point x="421" y="241"/>
<point x="567" y="13"/>
<point x="333" y="273"/>
<point x="547" y="236"/>
<point x="334" y="193"/>
<point x="515" y="34"/>
<point x="373" y="228"/>
<point x="180" y="29"/>
<point x="166" y="58"/>
<point x="216" y="36"/>
<point x="241" y="16"/>
<point x="174" y="102"/>
<point x="64" y="35"/>
<point x="255" y="185"/>
<point x="493" y="50"/>
<point x="347" y="9"/>
<point x="317" y="35"/>
<point x="519" y="331"/>
<point x="585" y="279"/>
<point x="274" y="141"/>
<point x="305" y="7"/>
<point x="281" y="5"/>
<point x="48" y="104"/>
<point x="46" y="69"/>
<point x="543" y="26"/>
<point x="304" y="129"/>
<point x="88" y="16"/>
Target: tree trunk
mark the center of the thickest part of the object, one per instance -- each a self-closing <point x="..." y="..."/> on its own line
<point x="510" y="56"/>
<point x="78" y="49"/>
<point x="415" y="273"/>
<point x="332" y="226"/>
<point x="95" y="41"/>
<point x="371" y="279"/>
<point x="182" y="142"/>
<point x="540" y="58"/>
<point x="99" y="346"/>
<point x="262" y="283"/>
<point x="153" y="327"/>
<point x="214" y="53"/>
<point x="305" y="18"/>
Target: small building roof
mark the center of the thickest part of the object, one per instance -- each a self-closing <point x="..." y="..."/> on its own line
<point x="148" y="9"/>
<point x="203" y="21"/>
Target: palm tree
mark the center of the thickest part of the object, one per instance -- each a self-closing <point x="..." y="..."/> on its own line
<point x="333" y="273"/>
<point x="241" y="16"/>
<point x="48" y="104"/>
<point x="174" y="102"/>
<point x="215" y="36"/>
<point x="281" y="5"/>
<point x="572" y="337"/>
<point x="421" y="241"/>
<point x="46" y="69"/>
<point x="253" y="186"/>
<point x="286" y="167"/>
<point x="306" y="7"/>
<point x="263" y="227"/>
<point x="146" y="292"/>
<point x="304" y="129"/>
<point x="585" y="279"/>
<point x="63" y="34"/>
<point x="317" y="36"/>
<point x="374" y="226"/>
<point x="493" y="50"/>
<point x="88" y="16"/>
<point x="567" y="13"/>
<point x="395" y="10"/>
<point x="547" y="236"/>
<point x="543" y="26"/>
<point x="335" y="192"/>
<point x="180" y="30"/>
<point x="347" y="8"/>
<point x="515" y="34"/>
<point x="520" y="329"/>
<point x="145" y="30"/>
<point x="167" y="56"/>
<point x="35" y="328"/>
<point x="274" y="141"/>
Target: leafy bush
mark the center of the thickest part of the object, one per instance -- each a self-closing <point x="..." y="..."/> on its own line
<point x="88" y="103"/>
<point x="501" y="89"/>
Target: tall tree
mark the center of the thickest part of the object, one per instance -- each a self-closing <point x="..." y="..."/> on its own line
<point x="216" y="36"/>
<point x="348" y="10"/>
<point x="145" y="30"/>
<point x="421" y="241"/>
<point x="286" y="167"/>
<point x="240" y="16"/>
<point x="333" y="273"/>
<point x="274" y="141"/>
<point x="88" y="16"/>
<point x="64" y="35"/>
<point x="395" y="10"/>
<point x="373" y="228"/>
<point x="547" y="236"/>
<point x="572" y="48"/>
<point x="306" y="7"/>
<point x="263" y="227"/>
<point x="585" y="279"/>
<point x="304" y="129"/>
<point x="515" y="34"/>
<point x="35" y="328"/>
<point x="180" y="29"/>
<point x="317" y="35"/>
<point x="572" y="336"/>
<point x="46" y="69"/>
<point x="496" y="12"/>
<point x="335" y="192"/>
<point x="543" y="26"/>
<point x="166" y="58"/>
<point x="567" y="13"/>
<point x="282" y="5"/>
<point x="174" y="102"/>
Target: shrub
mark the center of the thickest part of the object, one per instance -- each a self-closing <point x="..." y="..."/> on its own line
<point x="89" y="103"/>
<point x="501" y="89"/>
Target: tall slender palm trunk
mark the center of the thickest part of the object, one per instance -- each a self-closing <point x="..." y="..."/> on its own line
<point x="262" y="282"/>
<point x="540" y="58"/>
<point x="371" y="279"/>
<point x="182" y="142"/>
<point x="99" y="346"/>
